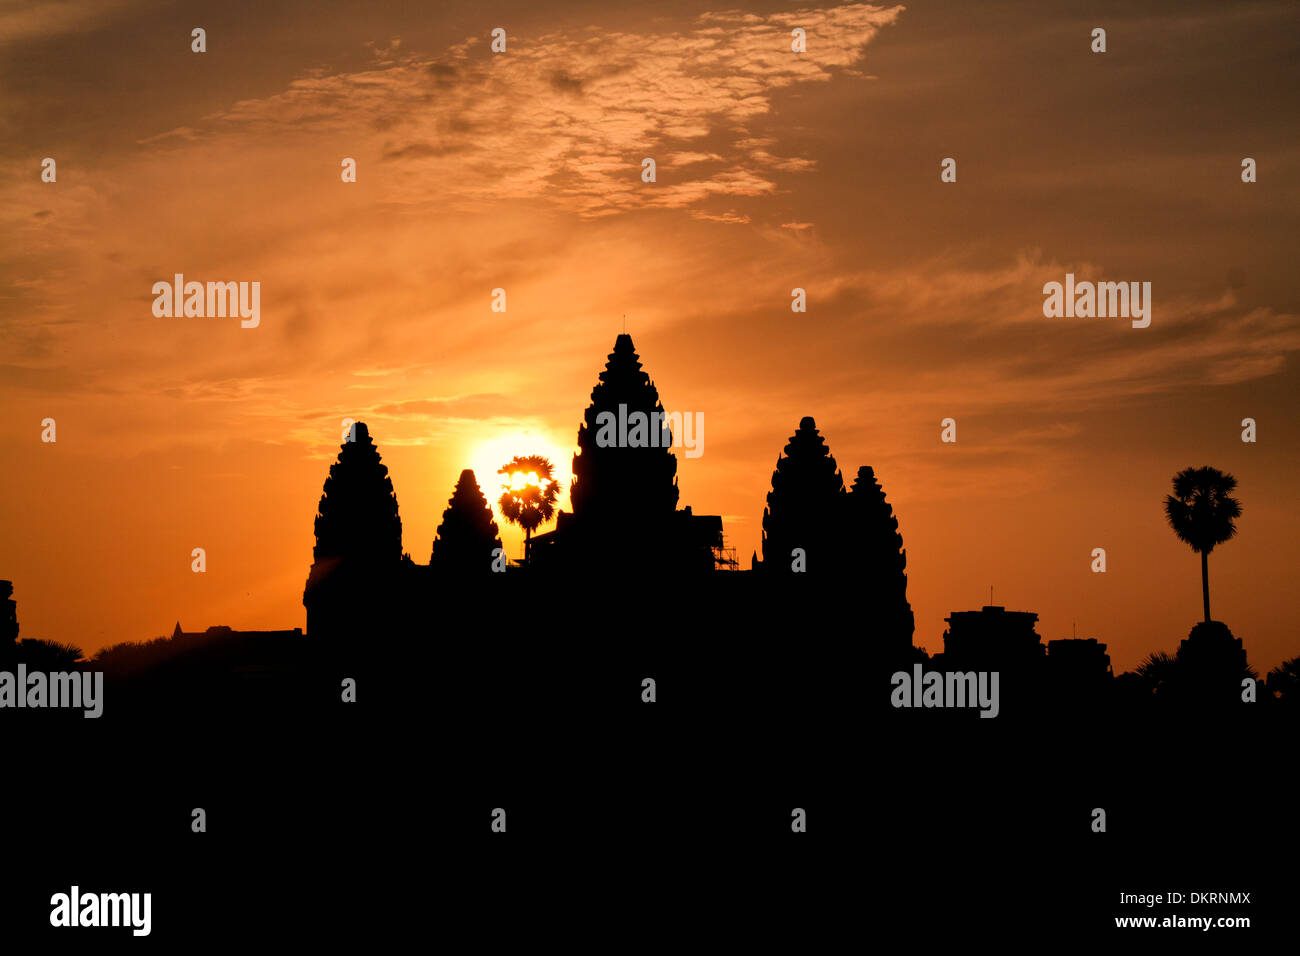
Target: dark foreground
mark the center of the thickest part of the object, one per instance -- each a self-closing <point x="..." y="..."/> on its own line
<point x="628" y="821"/>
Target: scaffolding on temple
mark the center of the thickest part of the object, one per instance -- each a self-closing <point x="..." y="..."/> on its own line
<point x="724" y="557"/>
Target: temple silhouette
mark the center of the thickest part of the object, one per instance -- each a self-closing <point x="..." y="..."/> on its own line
<point x="626" y="523"/>
<point x="832" y="556"/>
<point x="482" y="684"/>
<point x="631" y="582"/>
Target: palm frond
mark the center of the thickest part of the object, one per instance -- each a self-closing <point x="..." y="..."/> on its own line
<point x="1201" y="511"/>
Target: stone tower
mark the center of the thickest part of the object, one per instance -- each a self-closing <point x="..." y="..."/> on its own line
<point x="624" y="489"/>
<point x="358" y="542"/>
<point x="805" y="507"/>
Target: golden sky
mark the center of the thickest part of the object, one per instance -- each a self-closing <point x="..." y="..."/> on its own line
<point x="775" y="170"/>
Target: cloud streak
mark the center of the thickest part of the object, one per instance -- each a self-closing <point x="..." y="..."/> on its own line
<point x="569" y="116"/>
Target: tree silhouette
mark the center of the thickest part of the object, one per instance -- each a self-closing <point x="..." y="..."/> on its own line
<point x="1157" y="671"/>
<point x="529" y="504"/>
<point x="805" y="504"/>
<point x="40" y="654"/>
<point x="467" y="538"/>
<point x="1284" y="681"/>
<point x="1201" y="511"/>
<point x="36" y="653"/>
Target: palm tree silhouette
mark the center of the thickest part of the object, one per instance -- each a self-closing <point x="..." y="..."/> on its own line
<point x="1157" y="670"/>
<point x="1201" y="512"/>
<point x="528" y="501"/>
<point x="1284" y="681"/>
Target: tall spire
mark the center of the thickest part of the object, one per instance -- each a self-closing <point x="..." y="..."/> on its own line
<point x="358" y="518"/>
<point x="804" y="506"/>
<point x="467" y="539"/>
<point x="358" y="544"/>
<point x="623" y="485"/>
<point x="879" y="559"/>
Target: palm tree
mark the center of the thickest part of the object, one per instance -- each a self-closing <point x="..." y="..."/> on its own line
<point x="1201" y="512"/>
<point x="530" y="493"/>
<point x="1284" y="681"/>
<point x="41" y="654"/>
<point x="1157" y="670"/>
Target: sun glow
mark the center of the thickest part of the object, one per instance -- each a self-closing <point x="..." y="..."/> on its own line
<point x="489" y="456"/>
<point x="519" y="480"/>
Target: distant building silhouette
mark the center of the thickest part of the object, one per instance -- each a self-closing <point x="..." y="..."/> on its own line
<point x="217" y="670"/>
<point x="1211" y="665"/>
<point x="1078" y="673"/>
<point x="995" y="639"/>
<point x="990" y="638"/>
<point x="1078" y="658"/>
<point x="223" y="631"/>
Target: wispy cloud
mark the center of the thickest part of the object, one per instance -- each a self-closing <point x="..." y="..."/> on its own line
<point x="570" y="116"/>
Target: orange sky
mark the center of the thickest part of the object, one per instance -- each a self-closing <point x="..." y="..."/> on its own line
<point x="775" y="170"/>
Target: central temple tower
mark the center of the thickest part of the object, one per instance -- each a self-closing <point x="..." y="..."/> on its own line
<point x="621" y="485"/>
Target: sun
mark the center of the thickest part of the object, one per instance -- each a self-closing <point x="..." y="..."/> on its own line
<point x="489" y="455"/>
<point x="520" y="480"/>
